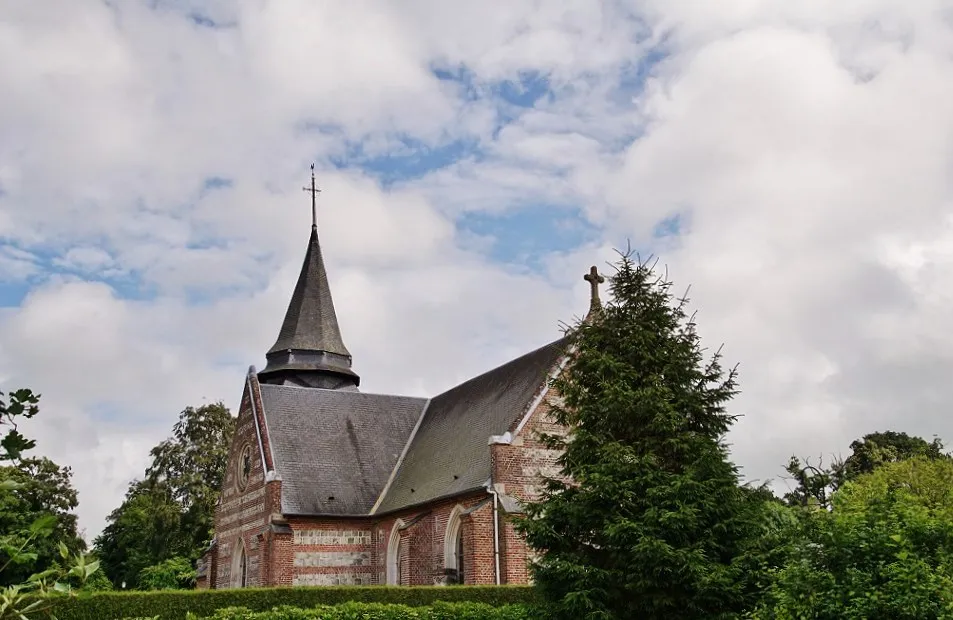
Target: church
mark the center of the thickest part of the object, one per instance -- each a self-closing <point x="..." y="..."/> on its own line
<point x="329" y="485"/>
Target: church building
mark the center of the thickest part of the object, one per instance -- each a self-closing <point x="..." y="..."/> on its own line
<point x="329" y="485"/>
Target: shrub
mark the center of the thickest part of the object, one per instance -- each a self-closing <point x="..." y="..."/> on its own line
<point x="440" y="610"/>
<point x="175" y="604"/>
<point x="172" y="574"/>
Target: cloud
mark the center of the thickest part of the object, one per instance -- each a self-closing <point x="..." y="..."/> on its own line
<point x="16" y="264"/>
<point x="813" y="191"/>
<point x="790" y="161"/>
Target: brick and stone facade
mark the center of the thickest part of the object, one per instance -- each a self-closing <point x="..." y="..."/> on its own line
<point x="406" y="547"/>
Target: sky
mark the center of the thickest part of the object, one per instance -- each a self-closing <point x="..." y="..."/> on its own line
<point x="791" y="161"/>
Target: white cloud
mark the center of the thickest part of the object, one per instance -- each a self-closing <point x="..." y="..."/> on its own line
<point x="16" y="264"/>
<point x="86" y="259"/>
<point x="798" y="176"/>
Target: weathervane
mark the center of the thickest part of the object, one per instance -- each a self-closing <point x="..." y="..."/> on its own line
<point x="313" y="190"/>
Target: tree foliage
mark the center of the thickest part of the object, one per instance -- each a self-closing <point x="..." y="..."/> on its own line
<point x="170" y="512"/>
<point x="884" y="551"/>
<point x="176" y="573"/>
<point x="20" y="405"/>
<point x="654" y="523"/>
<point x="35" y="497"/>
<point x="190" y="466"/>
<point x="44" y="489"/>
<point x="876" y="449"/>
<point x="816" y="485"/>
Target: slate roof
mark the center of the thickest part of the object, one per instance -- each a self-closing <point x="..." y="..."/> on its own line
<point x="335" y="443"/>
<point x="449" y="453"/>
<point x="310" y="323"/>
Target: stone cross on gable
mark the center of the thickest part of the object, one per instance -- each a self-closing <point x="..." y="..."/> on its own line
<point x="314" y="191"/>
<point x="594" y="280"/>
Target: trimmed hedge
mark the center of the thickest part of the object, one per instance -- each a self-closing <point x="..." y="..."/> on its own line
<point x="175" y="604"/>
<point x="379" y="611"/>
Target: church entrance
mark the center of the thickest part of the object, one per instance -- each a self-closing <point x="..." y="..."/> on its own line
<point x="453" y="547"/>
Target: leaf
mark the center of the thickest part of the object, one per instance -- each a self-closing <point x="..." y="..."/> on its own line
<point x="10" y="485"/>
<point x="64" y="552"/>
<point x="91" y="568"/>
<point x="43" y="525"/>
<point x="14" y="444"/>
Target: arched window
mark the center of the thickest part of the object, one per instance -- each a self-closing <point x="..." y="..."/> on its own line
<point x="453" y="559"/>
<point x="394" y="552"/>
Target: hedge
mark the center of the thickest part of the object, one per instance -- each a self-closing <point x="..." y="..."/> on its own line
<point x="379" y="611"/>
<point x="174" y="604"/>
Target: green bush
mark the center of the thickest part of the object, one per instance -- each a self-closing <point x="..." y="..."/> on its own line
<point x="376" y="611"/>
<point x="175" y="604"/>
<point x="172" y="574"/>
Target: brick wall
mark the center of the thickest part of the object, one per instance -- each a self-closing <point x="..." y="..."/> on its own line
<point x="303" y="551"/>
<point x="478" y="547"/>
<point x="518" y="461"/>
<point x="243" y="513"/>
<point x="355" y="551"/>
<point x="332" y="552"/>
<point x="517" y="465"/>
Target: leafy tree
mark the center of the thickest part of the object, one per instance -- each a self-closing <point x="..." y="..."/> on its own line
<point x="22" y="405"/>
<point x="176" y="573"/>
<point x="876" y="449"/>
<point x="44" y="488"/>
<point x="648" y="519"/>
<point x="191" y="465"/>
<point x="884" y="551"/>
<point x="170" y="512"/>
<point x="144" y="530"/>
<point x="816" y="485"/>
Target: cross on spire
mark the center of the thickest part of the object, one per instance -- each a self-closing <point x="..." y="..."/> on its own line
<point x="594" y="280"/>
<point x="314" y="191"/>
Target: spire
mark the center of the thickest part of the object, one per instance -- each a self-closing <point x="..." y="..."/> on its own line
<point x="309" y="350"/>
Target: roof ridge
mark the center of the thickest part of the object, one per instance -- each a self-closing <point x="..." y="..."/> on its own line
<point x="337" y="391"/>
<point x="499" y="366"/>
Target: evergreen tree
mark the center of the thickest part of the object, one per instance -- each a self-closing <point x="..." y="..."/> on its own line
<point x="648" y="519"/>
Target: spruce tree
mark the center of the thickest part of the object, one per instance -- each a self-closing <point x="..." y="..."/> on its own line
<point x="648" y="519"/>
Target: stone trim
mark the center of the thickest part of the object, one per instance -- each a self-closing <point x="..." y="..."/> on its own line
<point x="393" y="554"/>
<point x="542" y="393"/>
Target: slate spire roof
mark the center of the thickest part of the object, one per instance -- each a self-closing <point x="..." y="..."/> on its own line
<point x="309" y="350"/>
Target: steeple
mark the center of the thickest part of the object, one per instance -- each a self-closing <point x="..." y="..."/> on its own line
<point x="310" y="351"/>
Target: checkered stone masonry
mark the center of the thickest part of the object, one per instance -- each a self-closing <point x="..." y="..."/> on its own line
<point x="348" y="579"/>
<point x="333" y="558"/>
<point x="332" y="537"/>
<point x="332" y="552"/>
